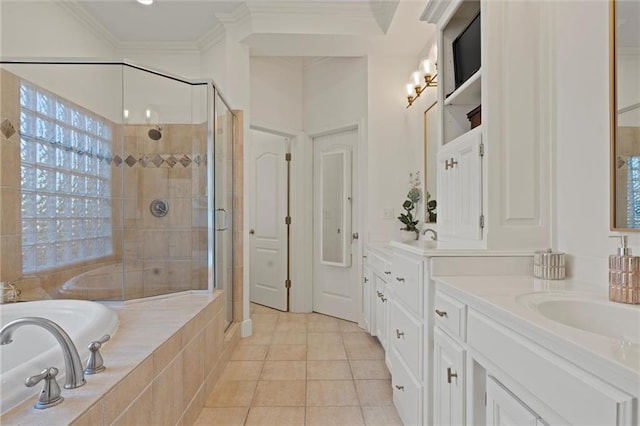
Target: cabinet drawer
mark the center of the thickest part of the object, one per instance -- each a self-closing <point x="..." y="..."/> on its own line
<point x="407" y="282"/>
<point x="405" y="334"/>
<point x="407" y="392"/>
<point x="379" y="264"/>
<point x="451" y="315"/>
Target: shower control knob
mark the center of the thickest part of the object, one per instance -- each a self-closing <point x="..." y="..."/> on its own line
<point x="50" y="394"/>
<point x="95" y="364"/>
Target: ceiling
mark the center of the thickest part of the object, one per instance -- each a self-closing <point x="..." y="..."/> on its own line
<point x="268" y="27"/>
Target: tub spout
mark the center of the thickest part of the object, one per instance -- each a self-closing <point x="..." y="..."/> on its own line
<point x="72" y="363"/>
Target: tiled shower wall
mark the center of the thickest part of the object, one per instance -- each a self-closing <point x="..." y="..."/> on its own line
<point x="169" y="253"/>
<point x="160" y="255"/>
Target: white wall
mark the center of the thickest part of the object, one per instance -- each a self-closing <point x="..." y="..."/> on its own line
<point x="395" y="143"/>
<point x="335" y="93"/>
<point x="582" y="139"/>
<point x="276" y="93"/>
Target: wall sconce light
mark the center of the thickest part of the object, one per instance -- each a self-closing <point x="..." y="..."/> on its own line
<point x="416" y="87"/>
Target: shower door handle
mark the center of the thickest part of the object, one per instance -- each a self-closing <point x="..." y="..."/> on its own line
<point x="225" y="225"/>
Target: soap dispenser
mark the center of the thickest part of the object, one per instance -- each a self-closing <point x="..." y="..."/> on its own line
<point x="624" y="274"/>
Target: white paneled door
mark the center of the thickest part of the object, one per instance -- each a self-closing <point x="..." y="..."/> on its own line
<point x="335" y="270"/>
<point x="268" y="210"/>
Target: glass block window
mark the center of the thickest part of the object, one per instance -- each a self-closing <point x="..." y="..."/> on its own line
<point x="65" y="162"/>
<point x="633" y="192"/>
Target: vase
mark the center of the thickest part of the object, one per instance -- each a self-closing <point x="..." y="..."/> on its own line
<point x="412" y="235"/>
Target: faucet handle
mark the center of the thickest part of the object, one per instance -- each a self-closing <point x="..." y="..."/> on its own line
<point x="50" y="394"/>
<point x="95" y="364"/>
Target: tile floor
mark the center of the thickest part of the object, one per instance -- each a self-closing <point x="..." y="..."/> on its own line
<point x="302" y="369"/>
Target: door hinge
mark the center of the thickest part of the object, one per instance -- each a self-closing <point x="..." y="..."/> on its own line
<point x="481" y="149"/>
<point x="287" y="283"/>
<point x="481" y="221"/>
<point x="287" y="156"/>
<point x="287" y="220"/>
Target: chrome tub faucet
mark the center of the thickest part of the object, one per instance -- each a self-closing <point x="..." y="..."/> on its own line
<point x="72" y="363"/>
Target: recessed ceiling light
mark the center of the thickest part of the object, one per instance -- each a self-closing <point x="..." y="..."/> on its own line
<point x="145" y="2"/>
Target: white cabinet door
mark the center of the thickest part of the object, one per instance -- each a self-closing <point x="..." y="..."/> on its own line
<point x="446" y="193"/>
<point x="460" y="187"/>
<point x="505" y="409"/>
<point x="382" y="301"/>
<point x="366" y="300"/>
<point x="449" y="381"/>
<point x="468" y="186"/>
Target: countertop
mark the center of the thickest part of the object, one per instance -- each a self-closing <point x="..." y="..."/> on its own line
<point x="614" y="360"/>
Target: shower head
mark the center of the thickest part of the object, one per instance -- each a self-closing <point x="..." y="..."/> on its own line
<point x="155" y="133"/>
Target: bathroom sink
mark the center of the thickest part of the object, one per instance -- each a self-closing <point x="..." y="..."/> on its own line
<point x="420" y="245"/>
<point x="601" y="317"/>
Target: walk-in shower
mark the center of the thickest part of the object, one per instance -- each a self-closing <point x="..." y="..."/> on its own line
<point x="86" y="149"/>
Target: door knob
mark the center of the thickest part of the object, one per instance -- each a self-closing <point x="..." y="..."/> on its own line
<point x="251" y="232"/>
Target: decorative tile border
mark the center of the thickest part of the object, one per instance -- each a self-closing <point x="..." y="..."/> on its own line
<point x="158" y="160"/>
<point x="145" y="161"/>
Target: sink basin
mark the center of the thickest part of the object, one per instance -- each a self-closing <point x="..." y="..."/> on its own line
<point x="601" y="317"/>
<point x="416" y="244"/>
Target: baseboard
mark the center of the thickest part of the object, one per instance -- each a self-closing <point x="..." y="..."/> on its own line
<point x="246" y="328"/>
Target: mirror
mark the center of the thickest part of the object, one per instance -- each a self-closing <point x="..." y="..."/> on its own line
<point x="336" y="207"/>
<point x="625" y="114"/>
<point x="430" y="129"/>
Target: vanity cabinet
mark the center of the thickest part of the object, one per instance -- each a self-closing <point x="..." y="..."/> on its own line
<point x="449" y="356"/>
<point x="506" y="190"/>
<point x="367" y="300"/>
<point x="506" y="409"/>
<point x="378" y="267"/>
<point x="407" y="335"/>
<point x="493" y="370"/>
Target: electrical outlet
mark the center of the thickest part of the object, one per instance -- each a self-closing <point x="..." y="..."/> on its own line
<point x="387" y="213"/>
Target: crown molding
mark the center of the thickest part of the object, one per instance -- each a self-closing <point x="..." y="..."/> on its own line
<point x="434" y="10"/>
<point x="314" y="8"/>
<point x="81" y="14"/>
<point x="212" y="37"/>
<point x="239" y="16"/>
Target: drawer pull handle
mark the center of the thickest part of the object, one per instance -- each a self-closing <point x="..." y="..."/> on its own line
<point x="450" y="375"/>
<point x="399" y="333"/>
<point x="384" y="299"/>
<point x="400" y="387"/>
<point x="379" y="294"/>
<point x="441" y="313"/>
<point x="400" y="280"/>
<point x="387" y="272"/>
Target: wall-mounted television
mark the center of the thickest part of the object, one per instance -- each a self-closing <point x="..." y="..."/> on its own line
<point x="466" y="52"/>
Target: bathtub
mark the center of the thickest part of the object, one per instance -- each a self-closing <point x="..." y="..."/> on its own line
<point x="34" y="349"/>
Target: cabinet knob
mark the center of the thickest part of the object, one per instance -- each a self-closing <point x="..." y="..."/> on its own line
<point x="399" y="387"/>
<point x="399" y="333"/>
<point x="441" y="313"/>
<point x="400" y="279"/>
<point x="450" y="375"/>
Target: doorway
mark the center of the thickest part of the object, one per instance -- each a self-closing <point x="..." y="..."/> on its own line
<point x="269" y="220"/>
<point x="335" y="223"/>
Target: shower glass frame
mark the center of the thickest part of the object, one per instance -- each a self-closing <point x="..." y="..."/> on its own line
<point x="202" y="216"/>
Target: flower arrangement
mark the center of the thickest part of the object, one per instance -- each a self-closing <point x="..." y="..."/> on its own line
<point x="413" y="198"/>
<point x="431" y="209"/>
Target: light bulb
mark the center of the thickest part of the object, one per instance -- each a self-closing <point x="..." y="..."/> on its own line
<point x="426" y="67"/>
<point x="409" y="89"/>
<point x="145" y="2"/>
<point x="126" y="114"/>
<point x="148" y="113"/>
<point x="415" y="77"/>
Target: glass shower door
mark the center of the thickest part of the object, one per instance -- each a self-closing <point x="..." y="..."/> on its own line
<point x="223" y="214"/>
